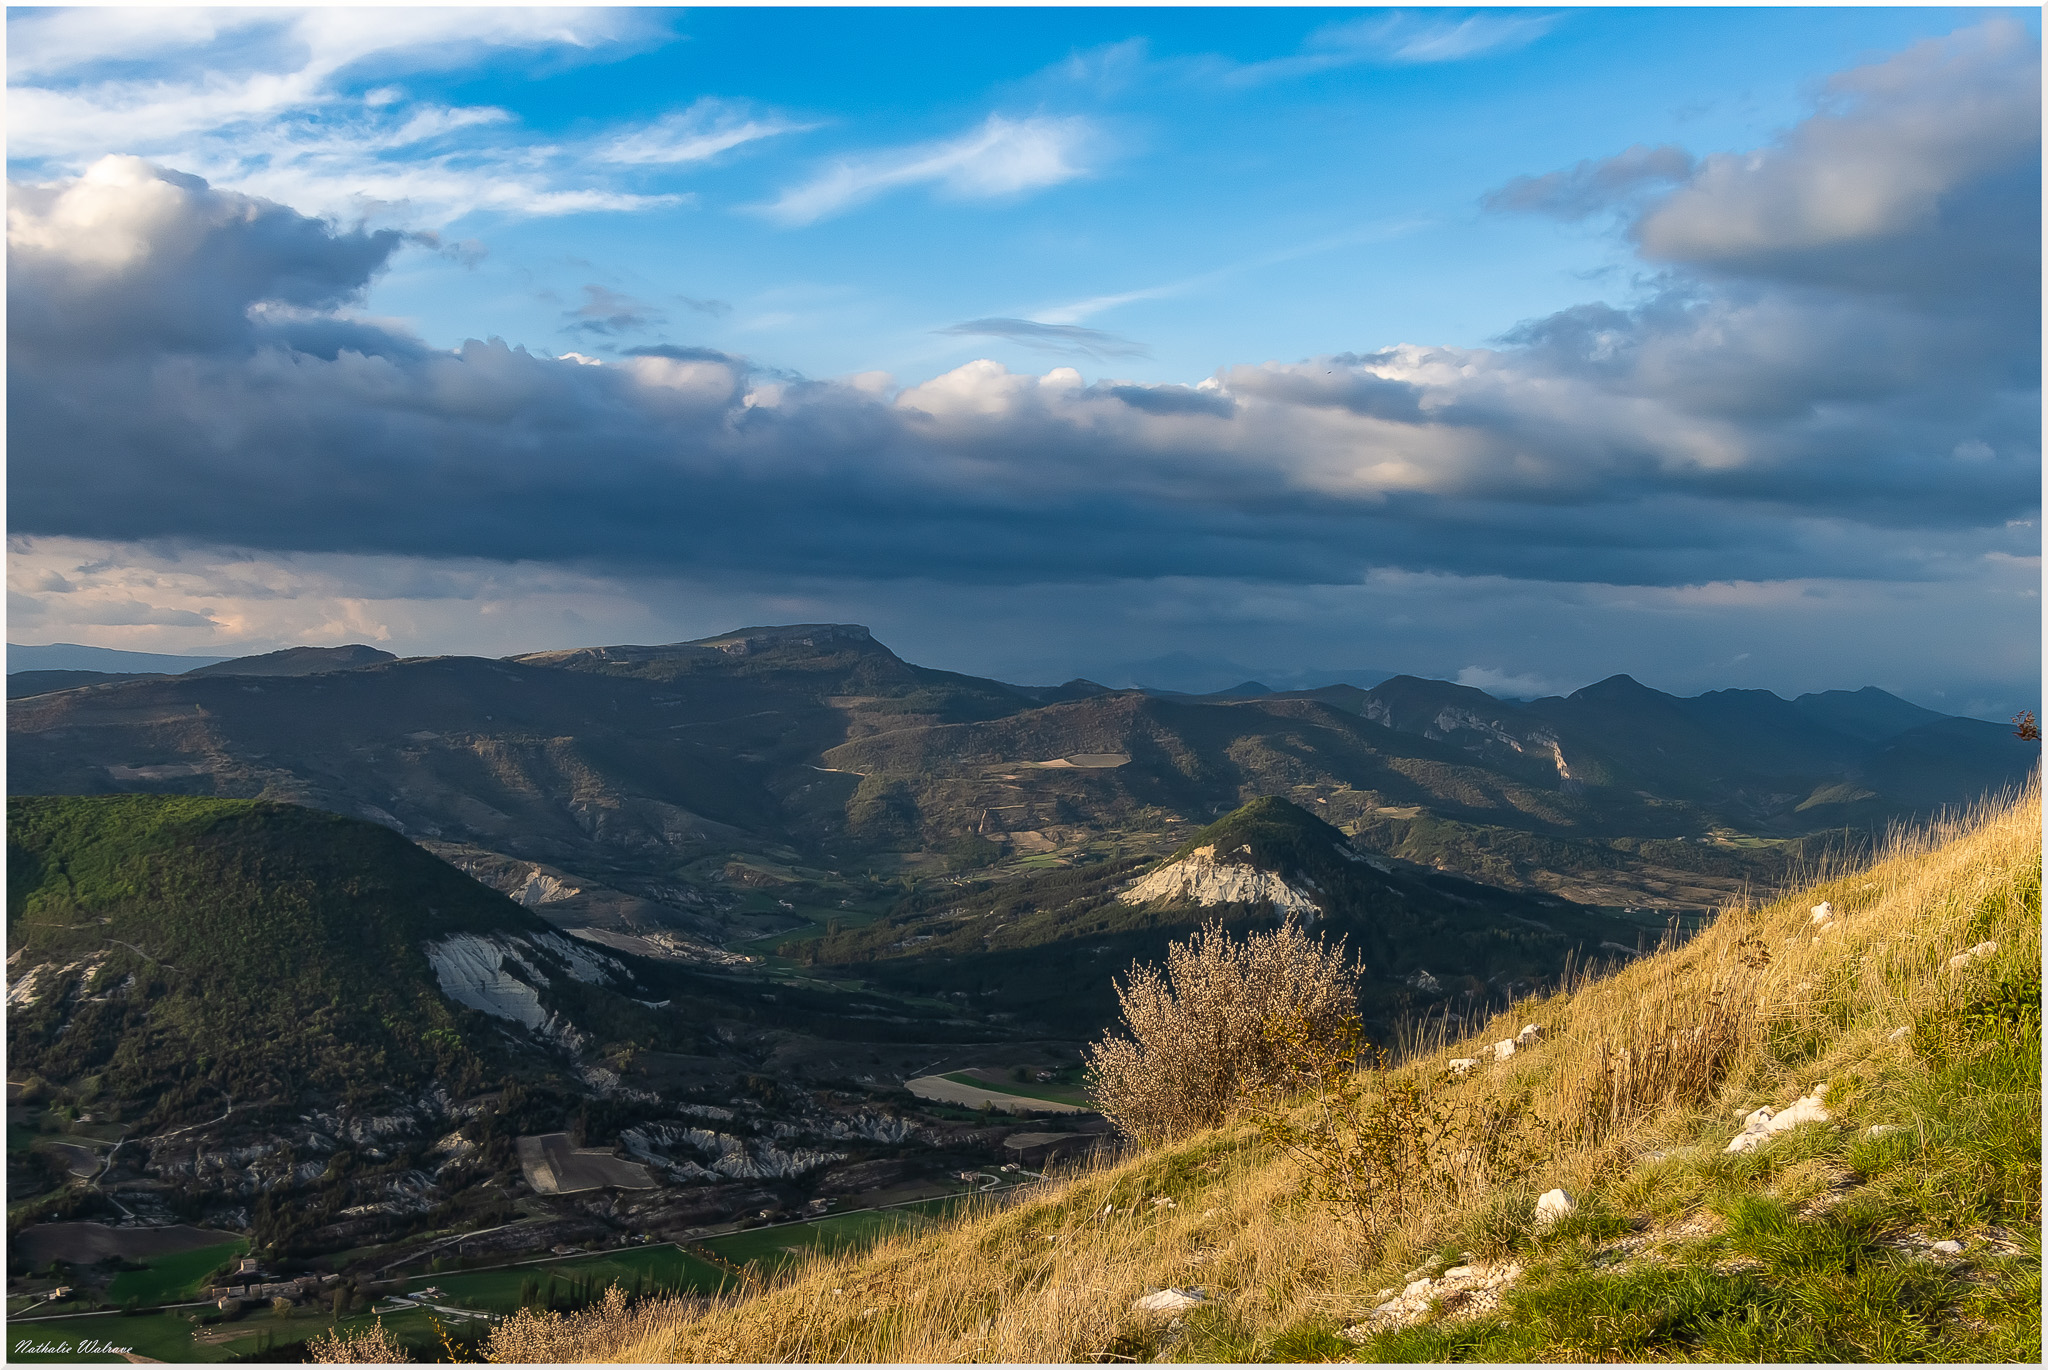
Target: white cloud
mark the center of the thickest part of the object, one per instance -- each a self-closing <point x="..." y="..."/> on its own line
<point x="265" y="101"/>
<point x="1410" y="38"/>
<point x="696" y="134"/>
<point x="1002" y="157"/>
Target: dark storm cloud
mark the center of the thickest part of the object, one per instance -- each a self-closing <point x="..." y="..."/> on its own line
<point x="1065" y="338"/>
<point x="1790" y="398"/>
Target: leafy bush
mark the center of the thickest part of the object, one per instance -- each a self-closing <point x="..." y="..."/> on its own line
<point x="1203" y="1034"/>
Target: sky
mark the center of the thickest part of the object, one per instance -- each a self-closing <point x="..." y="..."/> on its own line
<point x="1514" y="346"/>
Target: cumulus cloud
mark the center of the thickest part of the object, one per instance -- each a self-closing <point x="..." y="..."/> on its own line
<point x="1049" y="337"/>
<point x="1752" y="417"/>
<point x="1918" y="176"/>
<point x="1001" y="158"/>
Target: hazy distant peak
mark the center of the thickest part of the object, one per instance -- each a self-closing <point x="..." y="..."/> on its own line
<point x="73" y="656"/>
<point x="746" y="641"/>
<point x="300" y="661"/>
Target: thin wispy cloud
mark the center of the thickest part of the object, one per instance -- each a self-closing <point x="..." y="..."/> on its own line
<point x="1003" y="157"/>
<point x="697" y="134"/>
<point x="273" y="103"/>
<point x="1398" y="39"/>
<point x="607" y="312"/>
<point x="1077" y="310"/>
<point x="1067" y="339"/>
<point x="1415" y="38"/>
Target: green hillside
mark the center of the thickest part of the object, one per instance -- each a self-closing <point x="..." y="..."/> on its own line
<point x="1043" y="947"/>
<point x="182" y="948"/>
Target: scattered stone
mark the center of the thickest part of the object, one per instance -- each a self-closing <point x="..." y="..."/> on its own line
<point x="1169" y="1301"/>
<point x="1762" y="1125"/>
<point x="1530" y="1035"/>
<point x="1823" y="911"/>
<point x="1978" y="952"/>
<point x="1467" y="1290"/>
<point x="1164" y="1203"/>
<point x="1462" y="1065"/>
<point x="1552" y="1206"/>
<point x="1897" y="1033"/>
<point x="1883" y="1130"/>
<point x="1948" y="1248"/>
<point x="1504" y="1048"/>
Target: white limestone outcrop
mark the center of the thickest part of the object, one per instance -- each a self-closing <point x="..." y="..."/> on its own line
<point x="1199" y="878"/>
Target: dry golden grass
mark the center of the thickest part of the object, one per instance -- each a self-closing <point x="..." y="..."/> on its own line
<point x="1755" y="1009"/>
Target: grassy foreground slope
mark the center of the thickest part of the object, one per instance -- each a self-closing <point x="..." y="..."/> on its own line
<point x="1817" y="1245"/>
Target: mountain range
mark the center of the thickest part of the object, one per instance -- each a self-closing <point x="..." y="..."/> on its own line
<point x="649" y="769"/>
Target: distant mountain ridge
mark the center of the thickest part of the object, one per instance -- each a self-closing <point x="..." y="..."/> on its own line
<point x="72" y="656"/>
<point x="626" y="764"/>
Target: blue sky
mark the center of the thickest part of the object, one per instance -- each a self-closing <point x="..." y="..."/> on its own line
<point x="1482" y="343"/>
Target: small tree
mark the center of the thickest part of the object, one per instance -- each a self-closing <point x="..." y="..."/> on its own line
<point x="1202" y="1032"/>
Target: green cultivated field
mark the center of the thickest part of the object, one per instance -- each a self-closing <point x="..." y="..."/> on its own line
<point x="771" y="1248"/>
<point x="655" y="1267"/>
<point x="176" y="1277"/>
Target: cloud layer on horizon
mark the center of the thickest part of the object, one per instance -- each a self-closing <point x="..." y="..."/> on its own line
<point x="1837" y="383"/>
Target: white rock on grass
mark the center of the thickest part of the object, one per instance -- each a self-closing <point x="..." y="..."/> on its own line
<point x="1530" y="1035"/>
<point x="1948" y="1248"/>
<point x="1762" y="1125"/>
<point x="1898" y="1033"/>
<point x="1554" y="1205"/>
<point x="1823" y="911"/>
<point x="1504" y="1048"/>
<point x="1462" y="1065"/>
<point x="1883" y="1130"/>
<point x="1169" y="1301"/>
<point x="1978" y="952"/>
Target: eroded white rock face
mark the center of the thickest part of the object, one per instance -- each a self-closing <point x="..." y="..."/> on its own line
<point x="542" y="888"/>
<point x="1762" y="1125"/>
<point x="472" y="971"/>
<point x="591" y="967"/>
<point x="1504" y="1048"/>
<point x="1199" y="878"/>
